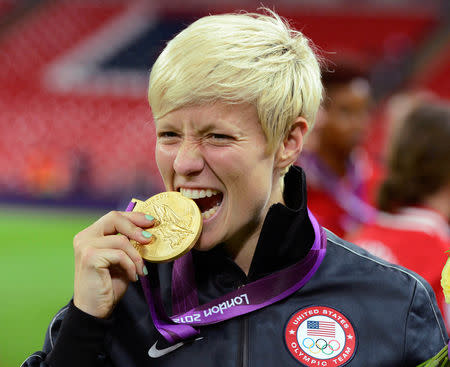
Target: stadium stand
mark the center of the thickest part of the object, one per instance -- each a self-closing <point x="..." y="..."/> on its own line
<point x="74" y="117"/>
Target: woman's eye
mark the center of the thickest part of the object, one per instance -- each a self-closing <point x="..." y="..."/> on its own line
<point x="167" y="134"/>
<point x="221" y="137"/>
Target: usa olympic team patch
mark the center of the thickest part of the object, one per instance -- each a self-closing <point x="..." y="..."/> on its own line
<point x="320" y="336"/>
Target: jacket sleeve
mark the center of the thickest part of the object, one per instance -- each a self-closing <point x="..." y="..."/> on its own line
<point x="73" y="338"/>
<point x="425" y="333"/>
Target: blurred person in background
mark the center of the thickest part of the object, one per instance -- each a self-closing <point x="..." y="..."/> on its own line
<point x="232" y="98"/>
<point x="412" y="228"/>
<point x="339" y="172"/>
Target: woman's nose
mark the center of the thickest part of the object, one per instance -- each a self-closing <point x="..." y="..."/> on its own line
<point x="189" y="159"/>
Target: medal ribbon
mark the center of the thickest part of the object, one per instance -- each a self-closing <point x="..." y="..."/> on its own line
<point x="250" y="297"/>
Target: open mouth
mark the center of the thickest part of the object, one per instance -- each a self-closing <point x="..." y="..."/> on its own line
<point x="207" y="200"/>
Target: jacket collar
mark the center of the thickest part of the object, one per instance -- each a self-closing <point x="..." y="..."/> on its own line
<point x="286" y="236"/>
<point x="287" y="233"/>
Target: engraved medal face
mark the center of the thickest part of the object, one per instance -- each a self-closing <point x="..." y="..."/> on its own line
<point x="178" y="229"/>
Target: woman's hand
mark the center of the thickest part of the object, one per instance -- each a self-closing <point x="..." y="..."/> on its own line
<point x="106" y="261"/>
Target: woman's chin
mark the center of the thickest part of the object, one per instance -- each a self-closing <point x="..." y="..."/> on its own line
<point x="207" y="240"/>
<point x="203" y="244"/>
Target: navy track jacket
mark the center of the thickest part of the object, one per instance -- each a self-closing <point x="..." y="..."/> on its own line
<point x="357" y="310"/>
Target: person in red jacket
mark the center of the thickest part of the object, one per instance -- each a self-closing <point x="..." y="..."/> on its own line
<point x="412" y="228"/>
<point x="338" y="169"/>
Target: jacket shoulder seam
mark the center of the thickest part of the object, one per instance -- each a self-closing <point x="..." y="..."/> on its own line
<point x="49" y="335"/>
<point x="406" y="322"/>
<point x="33" y="355"/>
<point x="393" y="266"/>
<point x="53" y="322"/>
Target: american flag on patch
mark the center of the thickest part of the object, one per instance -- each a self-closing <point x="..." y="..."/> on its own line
<point x="320" y="328"/>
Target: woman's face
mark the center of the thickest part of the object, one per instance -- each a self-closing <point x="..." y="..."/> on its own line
<point x="216" y="154"/>
<point x="345" y="118"/>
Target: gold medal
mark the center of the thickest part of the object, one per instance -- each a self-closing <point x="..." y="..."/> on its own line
<point x="178" y="229"/>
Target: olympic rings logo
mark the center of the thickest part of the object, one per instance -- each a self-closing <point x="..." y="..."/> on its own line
<point x="321" y="346"/>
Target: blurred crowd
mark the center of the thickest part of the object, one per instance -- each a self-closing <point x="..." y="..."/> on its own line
<point x="396" y="203"/>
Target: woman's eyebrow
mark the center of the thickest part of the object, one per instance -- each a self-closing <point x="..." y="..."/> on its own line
<point x="165" y="125"/>
<point x="218" y="125"/>
<point x="207" y="128"/>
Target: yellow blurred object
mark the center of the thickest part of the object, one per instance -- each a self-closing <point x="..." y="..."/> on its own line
<point x="442" y="358"/>
<point x="445" y="280"/>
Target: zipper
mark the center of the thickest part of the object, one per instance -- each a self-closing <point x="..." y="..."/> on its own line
<point x="243" y="356"/>
<point x="243" y="342"/>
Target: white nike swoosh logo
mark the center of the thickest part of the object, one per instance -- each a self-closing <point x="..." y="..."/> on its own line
<point x="154" y="352"/>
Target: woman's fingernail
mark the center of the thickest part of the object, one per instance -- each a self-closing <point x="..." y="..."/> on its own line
<point x="144" y="270"/>
<point x="149" y="217"/>
<point x="137" y="277"/>
<point x="146" y="234"/>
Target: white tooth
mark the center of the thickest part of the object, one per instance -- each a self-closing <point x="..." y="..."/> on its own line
<point x="187" y="192"/>
<point x="197" y="194"/>
<point x="209" y="212"/>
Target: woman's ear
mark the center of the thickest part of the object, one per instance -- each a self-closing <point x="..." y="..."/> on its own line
<point x="292" y="144"/>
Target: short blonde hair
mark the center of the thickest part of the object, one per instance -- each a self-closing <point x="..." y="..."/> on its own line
<point x="240" y="58"/>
